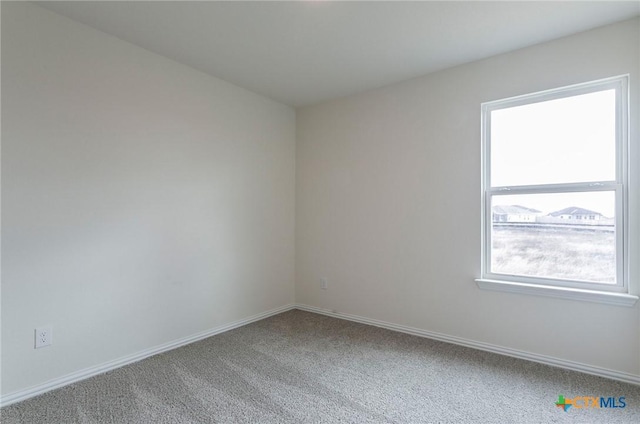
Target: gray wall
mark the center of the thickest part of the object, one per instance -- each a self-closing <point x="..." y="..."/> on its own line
<point x="388" y="205"/>
<point x="143" y="201"/>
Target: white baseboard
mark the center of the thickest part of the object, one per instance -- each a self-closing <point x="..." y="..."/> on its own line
<point x="125" y="360"/>
<point x="111" y="365"/>
<point x="543" y="359"/>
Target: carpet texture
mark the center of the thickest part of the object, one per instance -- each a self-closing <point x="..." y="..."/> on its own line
<point x="299" y="367"/>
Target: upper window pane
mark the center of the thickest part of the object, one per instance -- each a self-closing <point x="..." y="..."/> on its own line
<point x="566" y="140"/>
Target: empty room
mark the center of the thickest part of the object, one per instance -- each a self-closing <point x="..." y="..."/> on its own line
<point x="320" y="212"/>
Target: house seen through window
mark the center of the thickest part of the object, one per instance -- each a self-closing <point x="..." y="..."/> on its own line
<point x="554" y="187"/>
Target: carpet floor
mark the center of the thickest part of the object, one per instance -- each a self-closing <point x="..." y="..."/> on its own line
<point x="300" y="367"/>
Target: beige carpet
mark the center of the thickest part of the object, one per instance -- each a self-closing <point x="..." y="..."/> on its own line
<point x="299" y="367"/>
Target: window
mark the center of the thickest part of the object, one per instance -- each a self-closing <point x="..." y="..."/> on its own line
<point x="554" y="157"/>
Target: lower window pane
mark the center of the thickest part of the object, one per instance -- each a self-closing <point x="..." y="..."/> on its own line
<point x="567" y="236"/>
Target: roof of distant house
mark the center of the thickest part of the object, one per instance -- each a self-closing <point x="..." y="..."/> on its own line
<point x="513" y="210"/>
<point x="573" y="210"/>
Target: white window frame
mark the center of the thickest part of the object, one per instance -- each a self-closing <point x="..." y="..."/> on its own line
<point x="617" y="293"/>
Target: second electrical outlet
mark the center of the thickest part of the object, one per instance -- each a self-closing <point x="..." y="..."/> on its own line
<point x="323" y="283"/>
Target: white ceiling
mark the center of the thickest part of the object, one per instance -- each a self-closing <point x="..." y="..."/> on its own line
<point x="305" y="52"/>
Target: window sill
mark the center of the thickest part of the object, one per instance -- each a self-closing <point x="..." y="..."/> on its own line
<point x="621" y="299"/>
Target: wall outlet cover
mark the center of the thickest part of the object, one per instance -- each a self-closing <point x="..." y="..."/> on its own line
<point x="43" y="336"/>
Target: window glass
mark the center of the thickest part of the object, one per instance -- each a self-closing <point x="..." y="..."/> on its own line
<point x="568" y="236"/>
<point x="565" y="140"/>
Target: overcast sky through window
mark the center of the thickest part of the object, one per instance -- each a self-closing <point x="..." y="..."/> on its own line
<point x="567" y="140"/>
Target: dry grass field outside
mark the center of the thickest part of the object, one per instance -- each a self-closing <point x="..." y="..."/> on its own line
<point x="585" y="254"/>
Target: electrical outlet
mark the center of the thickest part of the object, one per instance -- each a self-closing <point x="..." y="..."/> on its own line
<point x="323" y="283"/>
<point x="44" y="337"/>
